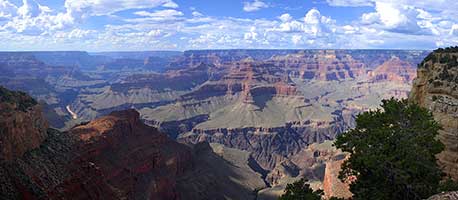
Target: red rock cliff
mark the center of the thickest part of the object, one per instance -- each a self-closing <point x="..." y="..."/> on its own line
<point x="113" y="157"/>
<point x="22" y="125"/>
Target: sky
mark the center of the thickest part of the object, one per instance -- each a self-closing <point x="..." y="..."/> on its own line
<point x="141" y="25"/>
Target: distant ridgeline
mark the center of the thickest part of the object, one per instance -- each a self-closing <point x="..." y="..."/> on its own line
<point x="153" y="60"/>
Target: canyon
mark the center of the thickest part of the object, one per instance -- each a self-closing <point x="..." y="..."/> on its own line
<point x="111" y="157"/>
<point x="273" y="112"/>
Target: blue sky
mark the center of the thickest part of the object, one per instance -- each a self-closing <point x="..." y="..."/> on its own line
<point x="133" y="25"/>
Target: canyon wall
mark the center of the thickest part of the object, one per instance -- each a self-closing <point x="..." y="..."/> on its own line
<point x="436" y="88"/>
<point x="112" y="157"/>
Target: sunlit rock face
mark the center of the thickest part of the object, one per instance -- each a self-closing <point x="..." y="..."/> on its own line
<point x="435" y="88"/>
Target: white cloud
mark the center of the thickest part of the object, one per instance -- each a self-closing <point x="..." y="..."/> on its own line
<point x="347" y="29"/>
<point x="254" y="6"/>
<point x="313" y="23"/>
<point x="107" y="7"/>
<point x="29" y="8"/>
<point x="252" y="35"/>
<point x="197" y="14"/>
<point x="370" y="18"/>
<point x="349" y="3"/>
<point x="390" y="15"/>
<point x="170" y="4"/>
<point x="159" y="24"/>
<point x="454" y="30"/>
<point x="400" y="18"/>
<point x="7" y="9"/>
<point x="160" y="13"/>
<point x="285" y="17"/>
<point x="157" y="16"/>
<point x="296" y="39"/>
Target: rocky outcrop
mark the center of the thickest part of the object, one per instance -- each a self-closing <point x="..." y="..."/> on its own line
<point x="445" y="196"/>
<point x="332" y="185"/>
<point x="435" y="88"/>
<point x="126" y="151"/>
<point x="114" y="157"/>
<point x="22" y="124"/>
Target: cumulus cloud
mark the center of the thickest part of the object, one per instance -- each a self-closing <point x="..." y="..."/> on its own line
<point x="161" y="24"/>
<point x="254" y="6"/>
<point x="29" y="8"/>
<point x="400" y="18"/>
<point x="34" y="19"/>
<point x="313" y="23"/>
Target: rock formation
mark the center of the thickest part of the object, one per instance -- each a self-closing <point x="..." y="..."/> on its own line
<point x="394" y="69"/>
<point x="436" y="88"/>
<point x="332" y="185"/>
<point x="324" y="65"/>
<point x="445" y="196"/>
<point x="270" y="103"/>
<point x="112" y="157"/>
<point x="22" y="124"/>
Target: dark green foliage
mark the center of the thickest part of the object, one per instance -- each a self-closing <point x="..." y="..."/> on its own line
<point x="299" y="190"/>
<point x="448" y="185"/>
<point x="435" y="56"/>
<point x="392" y="153"/>
<point x="21" y="100"/>
<point x="431" y="57"/>
<point x="447" y="50"/>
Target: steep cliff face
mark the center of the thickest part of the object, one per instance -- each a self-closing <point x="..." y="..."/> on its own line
<point x="332" y="185"/>
<point x="22" y="125"/>
<point x="137" y="160"/>
<point x="436" y="88"/>
<point x="114" y="157"/>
